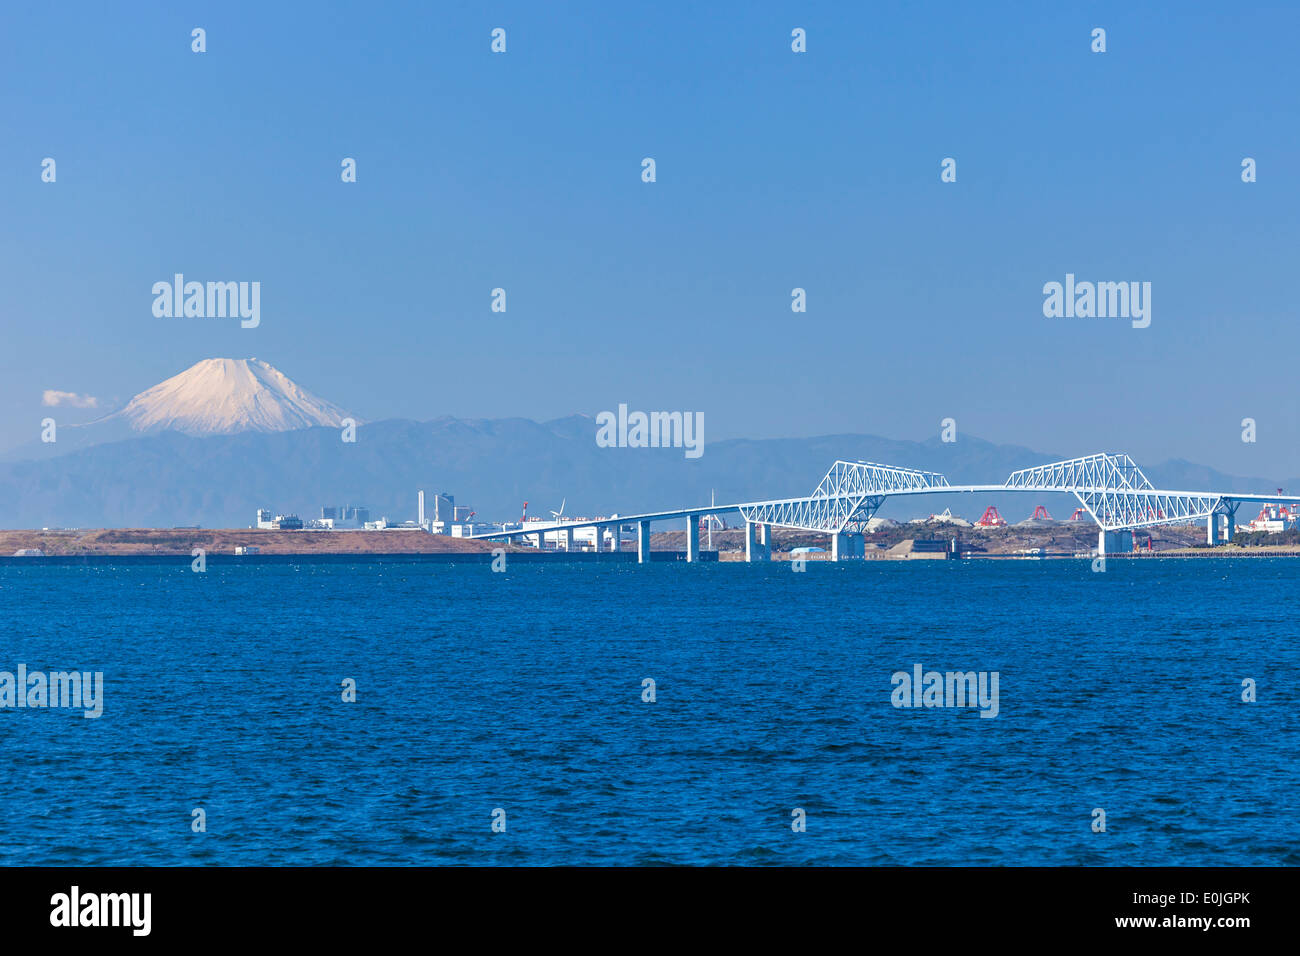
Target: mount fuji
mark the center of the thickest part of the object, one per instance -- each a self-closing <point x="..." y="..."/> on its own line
<point x="224" y="396"/>
<point x="217" y="396"/>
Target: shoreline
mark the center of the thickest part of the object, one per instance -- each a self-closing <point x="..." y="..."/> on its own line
<point x="532" y="556"/>
<point x="164" y="545"/>
<point x="220" y="559"/>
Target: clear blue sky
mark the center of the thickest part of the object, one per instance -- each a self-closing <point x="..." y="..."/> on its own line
<point x="775" y="170"/>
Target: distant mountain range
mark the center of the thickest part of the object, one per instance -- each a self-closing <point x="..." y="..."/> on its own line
<point x="210" y="446"/>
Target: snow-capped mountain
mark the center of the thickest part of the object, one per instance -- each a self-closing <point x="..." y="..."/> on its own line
<point x="214" y="397"/>
<point x="223" y="396"/>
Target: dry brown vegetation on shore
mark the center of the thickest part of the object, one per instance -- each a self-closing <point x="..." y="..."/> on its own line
<point x="224" y="540"/>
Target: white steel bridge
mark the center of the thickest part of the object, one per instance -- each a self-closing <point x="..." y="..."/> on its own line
<point x="1111" y="488"/>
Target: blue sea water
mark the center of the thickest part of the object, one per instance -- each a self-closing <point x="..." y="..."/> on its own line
<point x="523" y="691"/>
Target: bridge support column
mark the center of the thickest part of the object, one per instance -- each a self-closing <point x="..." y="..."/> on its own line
<point x="614" y="538"/>
<point x="692" y="538"/>
<point x="845" y="545"/>
<point x="642" y="542"/>
<point x="765" y="540"/>
<point x="1212" y="530"/>
<point x="754" y="549"/>
<point x="1114" y="542"/>
<point x="568" y="539"/>
<point x="1231" y="527"/>
<point x="541" y="541"/>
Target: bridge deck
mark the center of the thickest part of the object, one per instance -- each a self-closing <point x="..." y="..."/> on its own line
<point x="545" y="526"/>
<point x="1112" y="488"/>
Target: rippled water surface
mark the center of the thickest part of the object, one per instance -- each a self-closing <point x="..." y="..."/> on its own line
<point x="523" y="691"/>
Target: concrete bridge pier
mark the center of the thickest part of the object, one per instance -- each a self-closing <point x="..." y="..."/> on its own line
<point x="757" y="548"/>
<point x="692" y="538"/>
<point x="1212" y="530"/>
<point x="846" y="545"/>
<point x="642" y="542"/>
<point x="1114" y="542"/>
<point x="614" y="540"/>
<point x="541" y="541"/>
<point x="568" y="539"/>
<point x="1230" y="527"/>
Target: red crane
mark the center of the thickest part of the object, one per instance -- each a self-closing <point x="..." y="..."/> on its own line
<point x="991" y="519"/>
<point x="1040" y="514"/>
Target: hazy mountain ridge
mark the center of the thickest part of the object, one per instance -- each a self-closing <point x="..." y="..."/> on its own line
<point x="228" y="436"/>
<point x="492" y="465"/>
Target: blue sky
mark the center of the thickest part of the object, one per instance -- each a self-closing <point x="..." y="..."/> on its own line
<point x="775" y="170"/>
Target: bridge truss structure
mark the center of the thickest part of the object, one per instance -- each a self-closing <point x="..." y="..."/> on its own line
<point x="1111" y="488"/>
<point x="846" y="498"/>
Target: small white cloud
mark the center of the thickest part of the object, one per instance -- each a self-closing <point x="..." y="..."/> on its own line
<point x="55" y="398"/>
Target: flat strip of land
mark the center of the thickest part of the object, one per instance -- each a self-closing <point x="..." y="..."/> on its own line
<point x="1058" y="539"/>
<point x="115" y="541"/>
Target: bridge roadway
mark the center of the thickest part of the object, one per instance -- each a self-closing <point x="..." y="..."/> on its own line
<point x="1111" y="488"/>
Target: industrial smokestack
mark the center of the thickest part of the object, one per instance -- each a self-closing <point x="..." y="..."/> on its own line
<point x="421" y="518"/>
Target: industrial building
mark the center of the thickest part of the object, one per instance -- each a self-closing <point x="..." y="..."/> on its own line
<point x="267" y="522"/>
<point x="344" y="516"/>
<point x="278" y="523"/>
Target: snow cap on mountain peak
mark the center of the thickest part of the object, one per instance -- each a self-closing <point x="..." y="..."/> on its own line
<point x="221" y="396"/>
